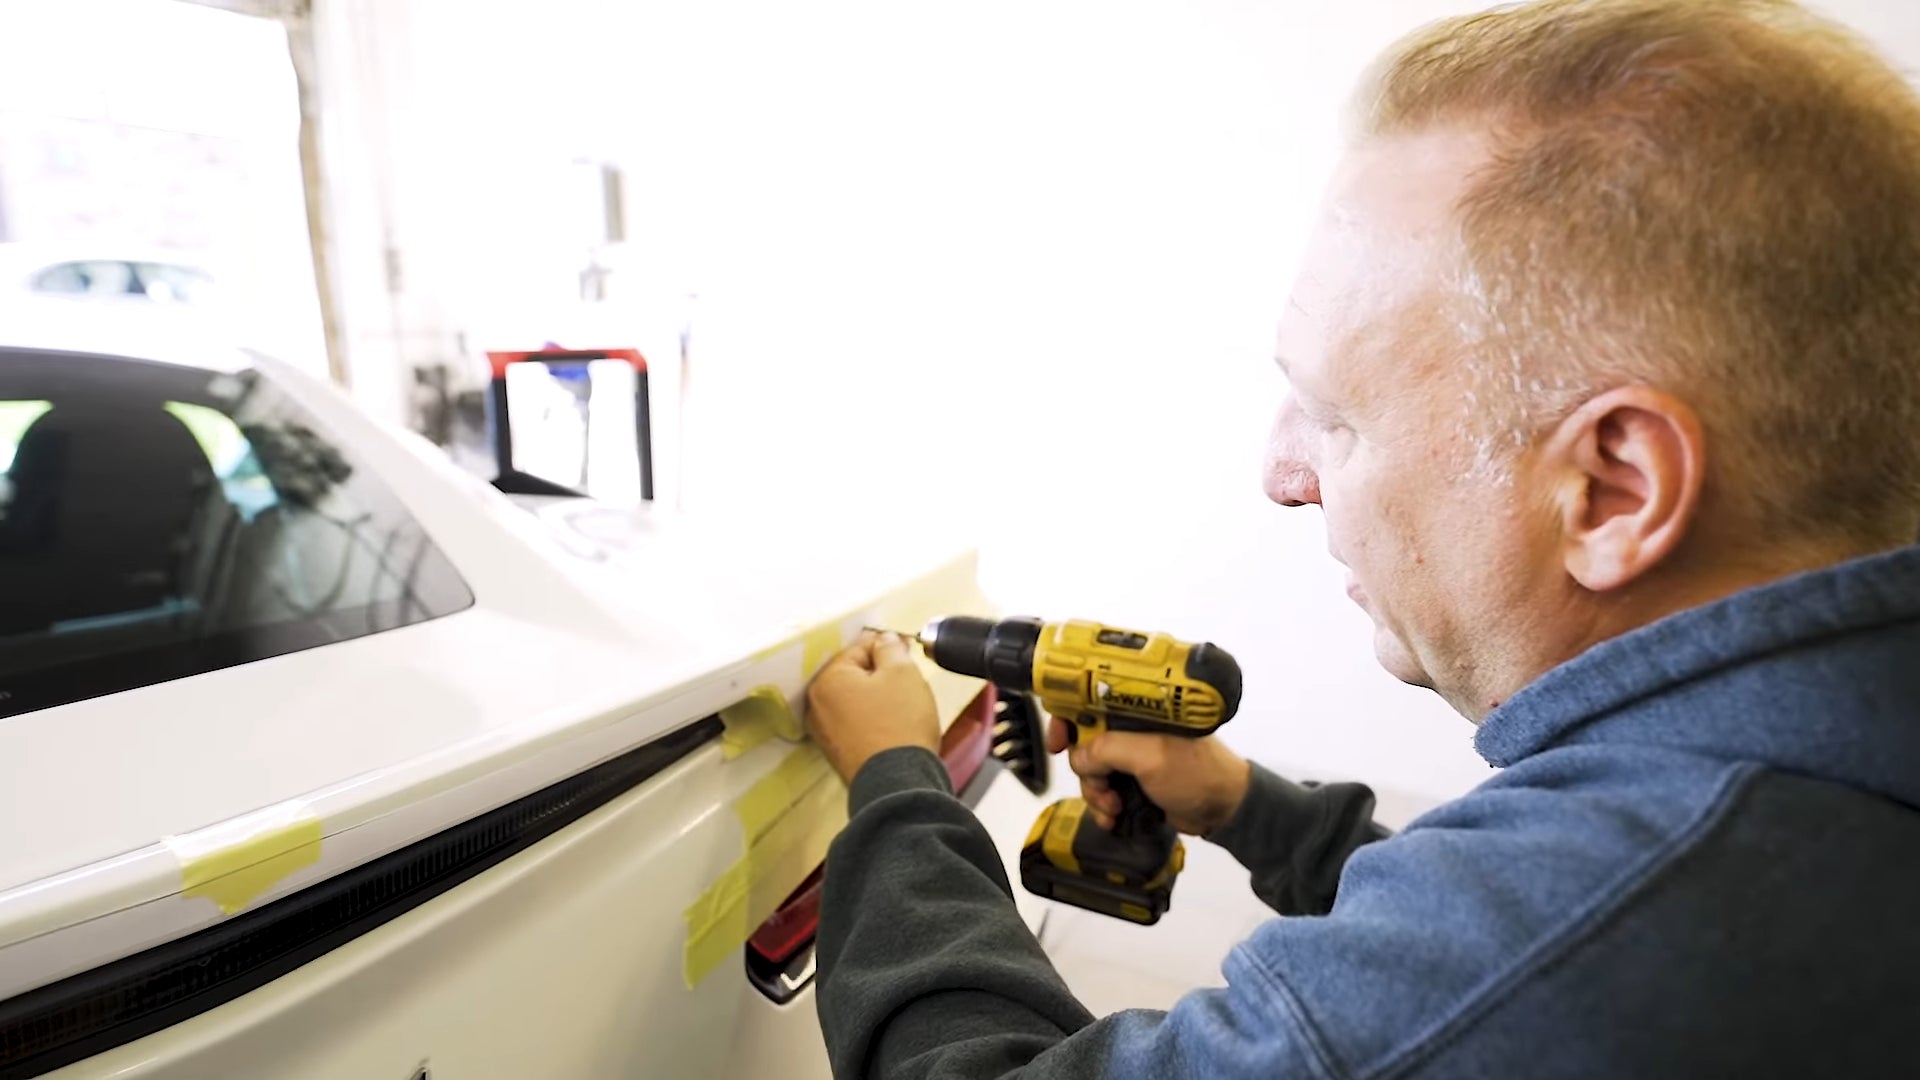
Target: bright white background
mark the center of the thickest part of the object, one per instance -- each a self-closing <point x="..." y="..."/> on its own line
<point x="1008" y="268"/>
<point x="162" y="125"/>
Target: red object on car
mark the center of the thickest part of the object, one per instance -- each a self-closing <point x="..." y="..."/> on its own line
<point x="963" y="749"/>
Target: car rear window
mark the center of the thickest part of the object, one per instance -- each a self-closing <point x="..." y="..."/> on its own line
<point x="159" y="521"/>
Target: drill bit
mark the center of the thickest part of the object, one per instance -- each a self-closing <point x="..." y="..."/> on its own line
<point x="916" y="638"/>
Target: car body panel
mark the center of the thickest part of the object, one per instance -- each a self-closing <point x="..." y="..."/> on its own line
<point x="549" y="965"/>
<point x="594" y="631"/>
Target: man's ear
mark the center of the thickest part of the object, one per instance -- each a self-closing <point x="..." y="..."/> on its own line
<point x="1632" y="461"/>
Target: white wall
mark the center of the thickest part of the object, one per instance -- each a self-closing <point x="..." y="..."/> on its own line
<point x="1007" y="267"/>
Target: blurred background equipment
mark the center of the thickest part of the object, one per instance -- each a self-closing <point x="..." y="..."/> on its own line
<point x="568" y="421"/>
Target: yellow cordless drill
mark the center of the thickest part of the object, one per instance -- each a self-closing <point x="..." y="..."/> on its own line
<point x="1098" y="678"/>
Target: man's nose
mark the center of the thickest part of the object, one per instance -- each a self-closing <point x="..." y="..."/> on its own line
<point x="1290" y="476"/>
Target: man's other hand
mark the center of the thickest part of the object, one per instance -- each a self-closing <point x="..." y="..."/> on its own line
<point x="871" y="698"/>
<point x="1198" y="782"/>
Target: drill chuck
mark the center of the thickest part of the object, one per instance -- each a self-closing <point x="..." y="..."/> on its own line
<point x="997" y="650"/>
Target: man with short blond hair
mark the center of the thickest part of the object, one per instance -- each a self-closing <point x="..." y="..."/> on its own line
<point x="1717" y="198"/>
<point x="1604" y="369"/>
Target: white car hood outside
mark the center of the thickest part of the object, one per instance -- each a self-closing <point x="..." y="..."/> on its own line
<point x="594" y="630"/>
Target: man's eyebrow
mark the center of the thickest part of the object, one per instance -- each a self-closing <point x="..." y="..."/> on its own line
<point x="1305" y="391"/>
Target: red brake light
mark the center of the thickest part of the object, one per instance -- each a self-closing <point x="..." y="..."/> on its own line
<point x="793" y="926"/>
<point x="963" y="749"/>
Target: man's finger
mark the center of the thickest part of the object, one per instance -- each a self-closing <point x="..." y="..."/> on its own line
<point x="857" y="655"/>
<point x="1100" y="796"/>
<point x="1056" y="735"/>
<point x="1119" y="751"/>
<point x="890" y="649"/>
<point x="1080" y="760"/>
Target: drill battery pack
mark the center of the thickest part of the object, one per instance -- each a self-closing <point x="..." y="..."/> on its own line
<point x="1069" y="858"/>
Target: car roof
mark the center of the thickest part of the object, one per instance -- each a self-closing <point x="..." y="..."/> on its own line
<point x="63" y="324"/>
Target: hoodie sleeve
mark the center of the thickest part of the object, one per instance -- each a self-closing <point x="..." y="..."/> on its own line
<point x="926" y="968"/>
<point x="1504" y="936"/>
<point x="1295" y="838"/>
<point x="928" y="972"/>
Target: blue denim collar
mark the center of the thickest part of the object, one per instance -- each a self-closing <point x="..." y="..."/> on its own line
<point x="1819" y="672"/>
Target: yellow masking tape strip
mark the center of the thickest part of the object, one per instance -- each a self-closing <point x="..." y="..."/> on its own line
<point x="760" y="716"/>
<point x="236" y="875"/>
<point x="766" y="713"/>
<point x="721" y="920"/>
<point x="821" y="643"/>
<point x="791" y="815"/>
<point x="730" y="888"/>
<point x="780" y="790"/>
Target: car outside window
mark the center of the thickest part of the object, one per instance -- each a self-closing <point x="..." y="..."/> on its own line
<point x="158" y="522"/>
<point x="167" y="283"/>
<point x="94" y="277"/>
<point x="117" y="278"/>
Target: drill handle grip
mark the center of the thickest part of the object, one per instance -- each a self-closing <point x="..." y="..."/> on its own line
<point x="1139" y="816"/>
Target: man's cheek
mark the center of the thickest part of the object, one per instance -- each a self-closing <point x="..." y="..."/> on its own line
<point x="1343" y="540"/>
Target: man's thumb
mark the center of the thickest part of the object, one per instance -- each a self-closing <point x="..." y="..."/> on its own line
<point x="891" y="649"/>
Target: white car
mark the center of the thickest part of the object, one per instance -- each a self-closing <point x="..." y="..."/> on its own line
<point x="112" y="273"/>
<point x="320" y="758"/>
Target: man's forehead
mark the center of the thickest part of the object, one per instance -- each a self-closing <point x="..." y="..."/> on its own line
<point x="1377" y="256"/>
<point x="1411" y="179"/>
<point x="1385" y="222"/>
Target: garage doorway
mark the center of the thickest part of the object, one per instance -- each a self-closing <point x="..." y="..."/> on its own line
<point x="150" y="169"/>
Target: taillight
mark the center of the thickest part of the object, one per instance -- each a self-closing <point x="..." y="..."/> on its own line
<point x="963" y="748"/>
<point x="792" y="928"/>
<point x="779" y="954"/>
